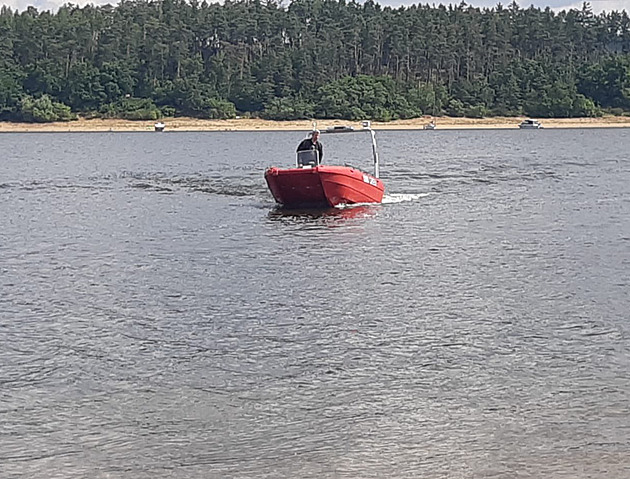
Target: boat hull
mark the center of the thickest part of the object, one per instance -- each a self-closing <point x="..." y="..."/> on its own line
<point x="323" y="186"/>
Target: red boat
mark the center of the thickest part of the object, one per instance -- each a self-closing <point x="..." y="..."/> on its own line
<point x="311" y="184"/>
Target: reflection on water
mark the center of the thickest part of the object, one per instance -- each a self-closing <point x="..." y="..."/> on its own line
<point x="329" y="216"/>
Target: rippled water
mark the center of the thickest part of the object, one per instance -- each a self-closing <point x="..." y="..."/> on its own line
<point x="160" y="318"/>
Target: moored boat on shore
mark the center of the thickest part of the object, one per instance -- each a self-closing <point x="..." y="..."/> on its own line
<point x="530" y="124"/>
<point x="339" y="129"/>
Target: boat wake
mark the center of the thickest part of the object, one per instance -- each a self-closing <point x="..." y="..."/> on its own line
<point x="403" y="197"/>
<point x="219" y="185"/>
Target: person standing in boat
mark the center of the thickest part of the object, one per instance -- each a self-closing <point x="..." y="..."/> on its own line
<point x="312" y="143"/>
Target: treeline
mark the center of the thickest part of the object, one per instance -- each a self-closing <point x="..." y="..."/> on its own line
<point x="311" y="59"/>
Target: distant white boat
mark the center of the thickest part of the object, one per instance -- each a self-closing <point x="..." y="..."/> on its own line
<point x="159" y="126"/>
<point x="339" y="129"/>
<point x="429" y="126"/>
<point x="530" y="124"/>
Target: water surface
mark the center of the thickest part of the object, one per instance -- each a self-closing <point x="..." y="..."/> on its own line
<point x="160" y="317"/>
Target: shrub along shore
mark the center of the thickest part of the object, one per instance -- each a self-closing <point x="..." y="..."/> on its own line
<point x="250" y="124"/>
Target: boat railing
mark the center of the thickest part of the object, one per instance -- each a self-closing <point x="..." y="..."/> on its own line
<point x="365" y="126"/>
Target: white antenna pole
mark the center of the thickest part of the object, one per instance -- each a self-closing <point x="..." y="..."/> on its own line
<point x="366" y="126"/>
<point x="375" y="153"/>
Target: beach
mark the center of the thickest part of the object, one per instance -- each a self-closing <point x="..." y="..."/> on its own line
<point x="255" y="124"/>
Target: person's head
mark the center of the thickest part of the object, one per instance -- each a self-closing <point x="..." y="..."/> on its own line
<point x="315" y="135"/>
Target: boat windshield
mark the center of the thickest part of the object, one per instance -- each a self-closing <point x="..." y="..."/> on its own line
<point x="308" y="158"/>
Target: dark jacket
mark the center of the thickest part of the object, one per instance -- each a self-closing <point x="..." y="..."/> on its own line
<point x="307" y="144"/>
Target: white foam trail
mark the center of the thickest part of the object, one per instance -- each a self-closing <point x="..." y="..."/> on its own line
<point x="344" y="206"/>
<point x="402" y="197"/>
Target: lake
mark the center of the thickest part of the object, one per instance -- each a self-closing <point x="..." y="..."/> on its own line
<point x="162" y="318"/>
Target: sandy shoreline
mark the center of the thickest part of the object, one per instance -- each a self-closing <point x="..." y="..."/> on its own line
<point x="246" y="124"/>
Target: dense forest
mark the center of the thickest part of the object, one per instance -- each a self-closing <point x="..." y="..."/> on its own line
<point x="310" y="59"/>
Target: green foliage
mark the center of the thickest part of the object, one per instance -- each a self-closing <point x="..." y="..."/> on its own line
<point x="427" y="98"/>
<point x="11" y="92"/>
<point x="506" y="82"/>
<point x="43" y="78"/>
<point x="168" y="111"/>
<point x="607" y="82"/>
<point x="456" y="108"/>
<point x="83" y="89"/>
<point x="132" y="109"/>
<point x="616" y="111"/>
<point x="559" y="100"/>
<point x="118" y="81"/>
<point x="288" y="109"/>
<point x="253" y="97"/>
<point x="361" y="97"/>
<point x="477" y="111"/>
<point x="43" y="109"/>
<point x="216" y="109"/>
<point x="195" y="99"/>
<point x="585" y="107"/>
<point x="474" y="95"/>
